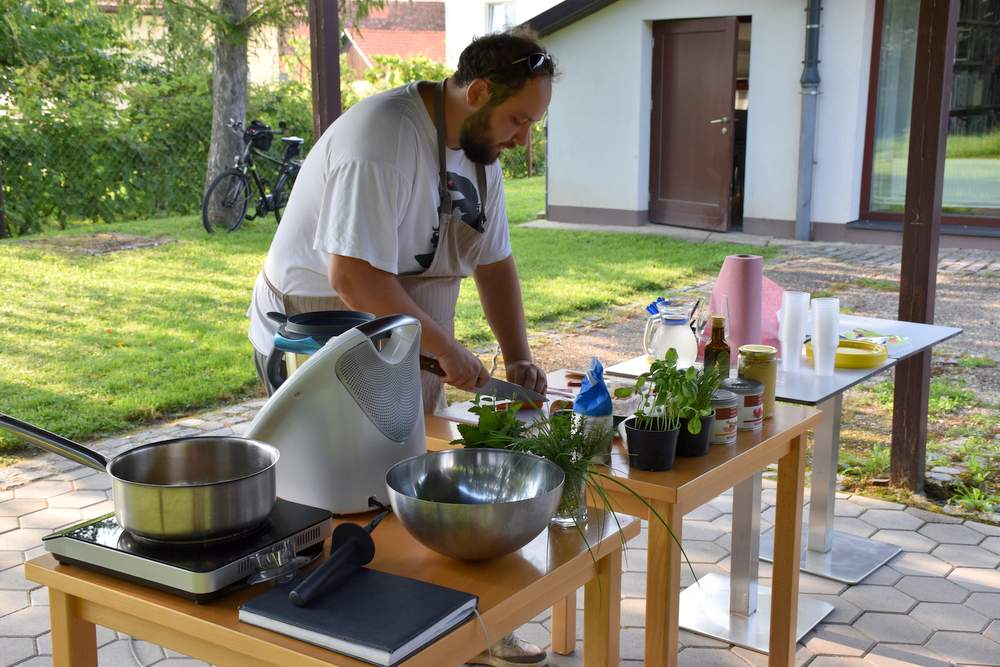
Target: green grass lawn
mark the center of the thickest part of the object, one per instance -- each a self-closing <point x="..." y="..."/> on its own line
<point x="92" y="345"/>
<point x="525" y="198"/>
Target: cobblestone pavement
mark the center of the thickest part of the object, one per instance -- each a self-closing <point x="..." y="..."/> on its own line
<point x="936" y="603"/>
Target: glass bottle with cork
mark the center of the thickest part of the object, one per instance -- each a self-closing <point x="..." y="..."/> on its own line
<point x="717" y="350"/>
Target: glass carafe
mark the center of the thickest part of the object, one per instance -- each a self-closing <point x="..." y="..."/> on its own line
<point x="670" y="328"/>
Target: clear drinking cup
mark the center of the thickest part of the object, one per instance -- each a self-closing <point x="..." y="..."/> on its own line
<point x="794" y="316"/>
<point x="825" y="334"/>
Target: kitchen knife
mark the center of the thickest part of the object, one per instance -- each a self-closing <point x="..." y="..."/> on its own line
<point x="492" y="387"/>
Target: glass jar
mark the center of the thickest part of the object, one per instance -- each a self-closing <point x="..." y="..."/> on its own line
<point x="760" y="363"/>
<point x="572" y="510"/>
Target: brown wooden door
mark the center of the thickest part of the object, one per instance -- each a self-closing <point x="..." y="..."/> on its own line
<point x="691" y="142"/>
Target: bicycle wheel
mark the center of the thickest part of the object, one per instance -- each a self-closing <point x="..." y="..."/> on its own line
<point x="279" y="200"/>
<point x="226" y="200"/>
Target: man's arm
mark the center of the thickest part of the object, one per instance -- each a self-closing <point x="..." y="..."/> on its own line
<point x="500" y="295"/>
<point x="363" y="287"/>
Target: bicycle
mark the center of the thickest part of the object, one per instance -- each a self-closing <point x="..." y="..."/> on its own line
<point x="228" y="195"/>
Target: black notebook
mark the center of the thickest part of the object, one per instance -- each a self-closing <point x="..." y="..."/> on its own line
<point x="374" y="616"/>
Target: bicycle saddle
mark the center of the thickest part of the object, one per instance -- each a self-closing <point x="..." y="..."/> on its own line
<point x="293" y="140"/>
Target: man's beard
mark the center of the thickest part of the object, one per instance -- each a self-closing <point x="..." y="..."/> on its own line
<point x="475" y="137"/>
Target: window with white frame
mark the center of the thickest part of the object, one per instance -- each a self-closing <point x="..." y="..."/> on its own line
<point x="499" y="16"/>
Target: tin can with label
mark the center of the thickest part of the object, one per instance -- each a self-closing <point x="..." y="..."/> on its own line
<point x="751" y="407"/>
<point x="726" y="407"/>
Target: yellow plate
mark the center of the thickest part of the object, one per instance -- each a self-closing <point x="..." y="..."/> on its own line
<point x="856" y="354"/>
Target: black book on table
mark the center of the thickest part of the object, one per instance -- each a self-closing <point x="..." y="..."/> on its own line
<point x="374" y="616"/>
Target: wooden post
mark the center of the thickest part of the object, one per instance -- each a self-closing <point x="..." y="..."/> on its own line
<point x="935" y="55"/>
<point x="324" y="47"/>
<point x="530" y="156"/>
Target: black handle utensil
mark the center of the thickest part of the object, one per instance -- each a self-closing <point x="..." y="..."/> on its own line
<point x="351" y="549"/>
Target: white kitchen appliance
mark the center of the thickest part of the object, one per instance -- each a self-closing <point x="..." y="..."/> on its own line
<point x="347" y="415"/>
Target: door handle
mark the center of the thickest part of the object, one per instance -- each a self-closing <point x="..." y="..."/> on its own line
<point x="724" y="119"/>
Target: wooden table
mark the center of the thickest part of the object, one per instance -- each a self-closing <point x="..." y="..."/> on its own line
<point x="512" y="590"/>
<point x="690" y="484"/>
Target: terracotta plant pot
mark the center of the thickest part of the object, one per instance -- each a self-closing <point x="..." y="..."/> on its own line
<point x="650" y="450"/>
<point x="695" y="445"/>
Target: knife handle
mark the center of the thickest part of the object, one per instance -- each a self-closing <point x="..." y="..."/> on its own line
<point x="431" y="365"/>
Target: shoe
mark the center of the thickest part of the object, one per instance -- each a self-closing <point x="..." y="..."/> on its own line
<point x="510" y="652"/>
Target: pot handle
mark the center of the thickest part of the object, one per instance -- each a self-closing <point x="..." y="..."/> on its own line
<point x="57" y="444"/>
<point x="273" y="368"/>
<point x="298" y="345"/>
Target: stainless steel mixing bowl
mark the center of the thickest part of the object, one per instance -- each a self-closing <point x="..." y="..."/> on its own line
<point x="474" y="504"/>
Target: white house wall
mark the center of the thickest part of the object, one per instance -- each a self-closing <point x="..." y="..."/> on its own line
<point x="598" y="150"/>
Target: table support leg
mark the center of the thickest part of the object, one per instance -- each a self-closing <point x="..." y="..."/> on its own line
<point x="602" y="606"/>
<point x="828" y="553"/>
<point x="74" y="641"/>
<point x="663" y="586"/>
<point x="785" y="581"/>
<point x="823" y="494"/>
<point x="745" y="558"/>
<point x="564" y="625"/>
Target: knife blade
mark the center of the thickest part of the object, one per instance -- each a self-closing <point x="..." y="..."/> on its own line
<point x="492" y="387"/>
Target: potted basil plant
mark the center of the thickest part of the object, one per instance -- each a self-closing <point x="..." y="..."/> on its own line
<point x="651" y="434"/>
<point x="696" y="391"/>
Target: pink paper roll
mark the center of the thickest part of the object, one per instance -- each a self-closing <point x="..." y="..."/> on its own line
<point x="740" y="280"/>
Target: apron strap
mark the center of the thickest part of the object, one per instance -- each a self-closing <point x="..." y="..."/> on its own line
<point x="442" y="163"/>
<point x="445" y="196"/>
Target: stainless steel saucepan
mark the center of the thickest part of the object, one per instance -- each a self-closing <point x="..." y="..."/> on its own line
<point x="181" y="490"/>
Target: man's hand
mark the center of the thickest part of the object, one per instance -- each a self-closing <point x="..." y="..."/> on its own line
<point x="463" y="369"/>
<point x="527" y="374"/>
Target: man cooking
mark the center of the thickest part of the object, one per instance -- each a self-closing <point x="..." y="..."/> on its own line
<point x="379" y="222"/>
<point x="400" y="199"/>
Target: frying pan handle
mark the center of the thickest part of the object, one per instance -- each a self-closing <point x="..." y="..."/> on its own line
<point x="54" y="443"/>
<point x="431" y="365"/>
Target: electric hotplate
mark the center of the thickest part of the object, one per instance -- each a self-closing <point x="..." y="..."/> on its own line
<point x="291" y="536"/>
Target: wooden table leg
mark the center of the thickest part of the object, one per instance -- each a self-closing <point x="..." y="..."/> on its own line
<point x="602" y="608"/>
<point x="564" y="625"/>
<point x="787" y="543"/>
<point x="663" y="587"/>
<point x="74" y="641"/>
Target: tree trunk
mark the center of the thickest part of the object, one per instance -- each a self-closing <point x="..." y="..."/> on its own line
<point x="229" y="87"/>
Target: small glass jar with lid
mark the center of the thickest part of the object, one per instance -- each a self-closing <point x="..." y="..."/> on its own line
<point x="760" y="362"/>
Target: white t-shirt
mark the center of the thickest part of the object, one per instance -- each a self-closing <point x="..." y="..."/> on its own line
<point x="369" y="189"/>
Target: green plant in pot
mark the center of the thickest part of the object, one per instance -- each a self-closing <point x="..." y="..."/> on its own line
<point x="651" y="434"/>
<point x="696" y="391"/>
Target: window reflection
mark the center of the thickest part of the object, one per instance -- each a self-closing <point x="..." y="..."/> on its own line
<point x="972" y="164"/>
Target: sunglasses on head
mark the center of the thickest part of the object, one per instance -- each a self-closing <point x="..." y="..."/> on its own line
<point x="534" y="60"/>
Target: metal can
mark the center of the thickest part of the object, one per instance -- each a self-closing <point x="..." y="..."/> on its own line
<point x="751" y="408"/>
<point x="725" y="405"/>
<point x="760" y="362"/>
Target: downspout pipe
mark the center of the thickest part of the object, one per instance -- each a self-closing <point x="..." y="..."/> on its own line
<point x="807" y="130"/>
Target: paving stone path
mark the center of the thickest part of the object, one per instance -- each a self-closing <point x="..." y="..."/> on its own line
<point x="936" y="603"/>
